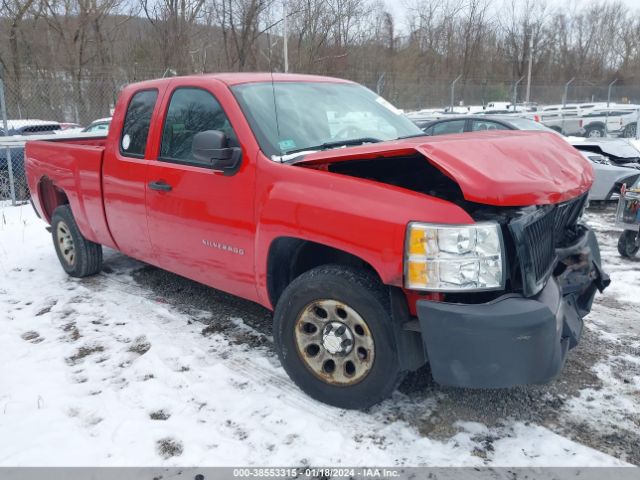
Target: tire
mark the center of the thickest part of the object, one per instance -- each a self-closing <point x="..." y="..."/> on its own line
<point x="598" y="205"/>
<point x="5" y="189"/>
<point x="78" y="256"/>
<point x="627" y="246"/>
<point x="594" y="132"/>
<point x="355" y="297"/>
<point x="630" y="131"/>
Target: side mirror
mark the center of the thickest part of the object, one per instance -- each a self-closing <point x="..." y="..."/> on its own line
<point x="211" y="148"/>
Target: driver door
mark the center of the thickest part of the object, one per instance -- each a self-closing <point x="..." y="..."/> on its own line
<point x="200" y="222"/>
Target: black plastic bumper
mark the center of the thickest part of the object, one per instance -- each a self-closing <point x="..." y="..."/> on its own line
<point x="514" y="340"/>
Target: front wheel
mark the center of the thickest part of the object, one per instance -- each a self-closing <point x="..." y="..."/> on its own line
<point x="78" y="256"/>
<point x="628" y="245"/>
<point x="335" y="337"/>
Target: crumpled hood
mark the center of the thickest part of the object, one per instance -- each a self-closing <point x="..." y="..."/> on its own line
<point x="615" y="147"/>
<point x="514" y="168"/>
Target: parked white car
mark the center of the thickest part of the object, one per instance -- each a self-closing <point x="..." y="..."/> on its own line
<point x="101" y="125"/>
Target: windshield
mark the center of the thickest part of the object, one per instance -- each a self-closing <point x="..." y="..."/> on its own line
<point x="316" y="115"/>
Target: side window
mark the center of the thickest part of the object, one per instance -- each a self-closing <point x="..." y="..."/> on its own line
<point x="448" y="127"/>
<point x="135" y="130"/>
<point x="428" y="131"/>
<point x="191" y="110"/>
<point x="481" y="125"/>
<point x="99" y="127"/>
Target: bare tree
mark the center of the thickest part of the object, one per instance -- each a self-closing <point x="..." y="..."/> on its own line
<point x="242" y="23"/>
<point x="88" y="49"/>
<point x="174" y="22"/>
<point x="16" y="11"/>
<point x="523" y="27"/>
<point x="79" y="41"/>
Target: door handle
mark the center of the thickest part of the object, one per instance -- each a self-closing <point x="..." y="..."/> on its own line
<point x="160" y="186"/>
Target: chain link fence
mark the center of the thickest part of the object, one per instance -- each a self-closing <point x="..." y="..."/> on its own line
<point x="54" y="102"/>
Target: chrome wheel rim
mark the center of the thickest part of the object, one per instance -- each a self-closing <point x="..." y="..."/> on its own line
<point x="65" y="243"/>
<point x="334" y="342"/>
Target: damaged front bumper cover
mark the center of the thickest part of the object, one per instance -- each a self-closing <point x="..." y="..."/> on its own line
<point x="514" y="340"/>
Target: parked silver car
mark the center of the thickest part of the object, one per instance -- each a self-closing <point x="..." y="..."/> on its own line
<point x="608" y="178"/>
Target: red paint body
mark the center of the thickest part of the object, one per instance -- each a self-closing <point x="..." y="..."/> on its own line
<point x="179" y="230"/>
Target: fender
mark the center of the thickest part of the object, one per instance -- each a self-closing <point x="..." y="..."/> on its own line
<point x="293" y="202"/>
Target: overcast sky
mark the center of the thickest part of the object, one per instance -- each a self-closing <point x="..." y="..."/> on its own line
<point x="397" y="7"/>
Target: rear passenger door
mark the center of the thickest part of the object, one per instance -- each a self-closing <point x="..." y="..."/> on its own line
<point x="200" y="221"/>
<point x="125" y="174"/>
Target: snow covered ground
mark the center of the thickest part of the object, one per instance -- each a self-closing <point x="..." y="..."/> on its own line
<point x="140" y="367"/>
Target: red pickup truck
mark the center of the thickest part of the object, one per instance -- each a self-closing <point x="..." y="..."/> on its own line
<point x="379" y="249"/>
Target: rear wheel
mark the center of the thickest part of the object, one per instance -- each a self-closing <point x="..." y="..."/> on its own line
<point x="335" y="337"/>
<point x="595" y="132"/>
<point x="5" y="188"/>
<point x="630" y="131"/>
<point x="628" y="245"/>
<point x="78" y="256"/>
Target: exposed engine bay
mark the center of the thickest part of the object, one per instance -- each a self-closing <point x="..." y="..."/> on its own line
<point x="532" y="234"/>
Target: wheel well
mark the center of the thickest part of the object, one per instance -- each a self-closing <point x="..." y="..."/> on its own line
<point x="594" y="125"/>
<point x="51" y="197"/>
<point x="291" y="257"/>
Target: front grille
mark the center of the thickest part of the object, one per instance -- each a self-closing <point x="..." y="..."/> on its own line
<point x="538" y="234"/>
<point x="538" y="239"/>
<point x="566" y="217"/>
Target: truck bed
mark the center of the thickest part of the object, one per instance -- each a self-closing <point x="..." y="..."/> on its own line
<point x="72" y="165"/>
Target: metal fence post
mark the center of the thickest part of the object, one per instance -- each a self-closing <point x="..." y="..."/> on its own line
<point x="606" y="120"/>
<point x="566" y="91"/>
<point x="515" y="93"/>
<point x="564" y="101"/>
<point x="5" y="122"/>
<point x="453" y="90"/>
<point x="380" y="84"/>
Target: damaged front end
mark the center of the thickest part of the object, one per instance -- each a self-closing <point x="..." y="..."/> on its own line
<point x="506" y="313"/>
<point x="522" y="336"/>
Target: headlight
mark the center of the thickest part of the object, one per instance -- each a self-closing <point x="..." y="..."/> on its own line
<point x="454" y="257"/>
<point x="601" y="159"/>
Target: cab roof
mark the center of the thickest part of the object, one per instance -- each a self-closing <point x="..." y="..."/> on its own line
<point x="238" y="78"/>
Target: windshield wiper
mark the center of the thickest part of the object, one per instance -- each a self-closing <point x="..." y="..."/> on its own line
<point x="336" y="143"/>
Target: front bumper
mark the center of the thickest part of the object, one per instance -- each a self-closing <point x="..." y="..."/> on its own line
<point x="514" y="340"/>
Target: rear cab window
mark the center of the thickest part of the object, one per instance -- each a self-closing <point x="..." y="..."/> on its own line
<point x="135" y="130"/>
<point x="482" y="125"/>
